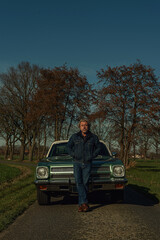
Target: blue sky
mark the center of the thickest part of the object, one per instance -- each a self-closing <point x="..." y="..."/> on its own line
<point x="88" y="34"/>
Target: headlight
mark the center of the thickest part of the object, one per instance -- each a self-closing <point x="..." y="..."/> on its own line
<point x="42" y="172"/>
<point x="118" y="171"/>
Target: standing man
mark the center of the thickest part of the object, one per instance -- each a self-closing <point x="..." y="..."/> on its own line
<point x="83" y="147"/>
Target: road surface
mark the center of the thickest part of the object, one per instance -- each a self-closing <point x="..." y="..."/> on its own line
<point x="136" y="219"/>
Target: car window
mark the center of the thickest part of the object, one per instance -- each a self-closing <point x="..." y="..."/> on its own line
<point x="58" y="150"/>
<point x="104" y="150"/>
<point x="61" y="149"/>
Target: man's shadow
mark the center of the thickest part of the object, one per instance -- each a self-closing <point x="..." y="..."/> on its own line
<point x="100" y="199"/>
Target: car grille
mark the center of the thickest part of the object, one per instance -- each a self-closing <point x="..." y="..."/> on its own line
<point x="100" y="169"/>
<point x="68" y="171"/>
<point x="99" y="172"/>
<point x="57" y="170"/>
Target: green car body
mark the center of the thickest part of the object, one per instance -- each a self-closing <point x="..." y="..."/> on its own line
<point x="55" y="177"/>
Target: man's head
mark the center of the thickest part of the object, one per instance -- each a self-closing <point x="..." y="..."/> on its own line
<point x="84" y="125"/>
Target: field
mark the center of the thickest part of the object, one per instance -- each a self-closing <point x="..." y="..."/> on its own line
<point x="145" y="177"/>
<point x="17" y="192"/>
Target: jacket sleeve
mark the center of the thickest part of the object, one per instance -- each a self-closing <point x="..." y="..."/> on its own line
<point x="70" y="146"/>
<point x="97" y="147"/>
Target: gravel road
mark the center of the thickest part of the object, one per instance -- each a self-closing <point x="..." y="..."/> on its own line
<point x="136" y="219"/>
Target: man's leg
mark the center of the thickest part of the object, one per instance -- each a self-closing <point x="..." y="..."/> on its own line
<point x="78" y="173"/>
<point x="86" y="171"/>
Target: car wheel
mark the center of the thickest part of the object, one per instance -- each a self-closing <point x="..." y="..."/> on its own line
<point x="43" y="197"/>
<point x="117" y="196"/>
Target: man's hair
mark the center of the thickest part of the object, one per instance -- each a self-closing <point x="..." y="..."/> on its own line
<point x="84" y="120"/>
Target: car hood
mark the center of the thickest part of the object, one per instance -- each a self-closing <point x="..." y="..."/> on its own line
<point x="68" y="160"/>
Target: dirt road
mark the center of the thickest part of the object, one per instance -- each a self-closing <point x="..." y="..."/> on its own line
<point x="136" y="219"/>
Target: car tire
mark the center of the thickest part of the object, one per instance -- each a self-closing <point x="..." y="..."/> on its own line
<point x="43" y="198"/>
<point x="117" y="196"/>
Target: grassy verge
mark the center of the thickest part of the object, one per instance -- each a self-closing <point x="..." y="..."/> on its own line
<point x="145" y="177"/>
<point x="7" y="173"/>
<point x="17" y="192"/>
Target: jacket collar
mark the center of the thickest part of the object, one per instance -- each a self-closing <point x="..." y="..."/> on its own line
<point x="88" y="135"/>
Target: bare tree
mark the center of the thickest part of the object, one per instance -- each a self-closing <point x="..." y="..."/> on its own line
<point x="8" y="130"/>
<point x="63" y="95"/>
<point x="18" y="90"/>
<point x="126" y="98"/>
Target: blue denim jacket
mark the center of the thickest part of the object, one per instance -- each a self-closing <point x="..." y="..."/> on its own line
<point x="83" y="149"/>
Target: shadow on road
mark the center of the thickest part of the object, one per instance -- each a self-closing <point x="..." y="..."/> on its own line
<point x="139" y="195"/>
<point x="99" y="199"/>
<point x="95" y="201"/>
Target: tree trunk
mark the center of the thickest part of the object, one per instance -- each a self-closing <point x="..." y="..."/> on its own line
<point x="12" y="144"/>
<point x="11" y="154"/>
<point x="69" y="127"/>
<point x="126" y="154"/>
<point x="157" y="149"/>
<point x="6" y="149"/>
<point x="122" y="145"/>
<point x="38" y="146"/>
<point x="128" y="142"/>
<point x="70" y="124"/>
<point x="134" y="151"/>
<point x="56" y="129"/>
<point x="45" y="142"/>
<point x="145" y="149"/>
<point x="31" y="148"/>
<point x="22" y="150"/>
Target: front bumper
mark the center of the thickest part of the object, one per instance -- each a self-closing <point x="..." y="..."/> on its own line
<point x="69" y="185"/>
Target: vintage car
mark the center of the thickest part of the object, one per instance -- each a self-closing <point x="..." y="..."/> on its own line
<point x="54" y="174"/>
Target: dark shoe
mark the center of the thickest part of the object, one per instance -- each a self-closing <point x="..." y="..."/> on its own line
<point x="80" y="209"/>
<point x="85" y="207"/>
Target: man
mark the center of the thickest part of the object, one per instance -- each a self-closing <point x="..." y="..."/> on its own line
<point x="83" y="147"/>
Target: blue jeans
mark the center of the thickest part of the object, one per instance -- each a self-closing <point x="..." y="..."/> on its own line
<point x="82" y="173"/>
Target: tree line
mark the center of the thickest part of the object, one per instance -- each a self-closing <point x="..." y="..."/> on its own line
<point x="40" y="103"/>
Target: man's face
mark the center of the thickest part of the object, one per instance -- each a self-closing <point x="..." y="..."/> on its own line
<point x="84" y="127"/>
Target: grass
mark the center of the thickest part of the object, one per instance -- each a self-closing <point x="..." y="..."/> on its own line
<point x="7" y="173"/>
<point x="145" y="177"/>
<point x="17" y="192"/>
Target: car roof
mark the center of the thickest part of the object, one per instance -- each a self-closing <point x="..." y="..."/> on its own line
<point x="63" y="141"/>
<point x="60" y="141"/>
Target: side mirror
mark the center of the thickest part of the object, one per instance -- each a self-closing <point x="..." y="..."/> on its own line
<point x="114" y="154"/>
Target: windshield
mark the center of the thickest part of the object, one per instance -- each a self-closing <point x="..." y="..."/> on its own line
<point x="58" y="150"/>
<point x="61" y="150"/>
<point x="104" y="150"/>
